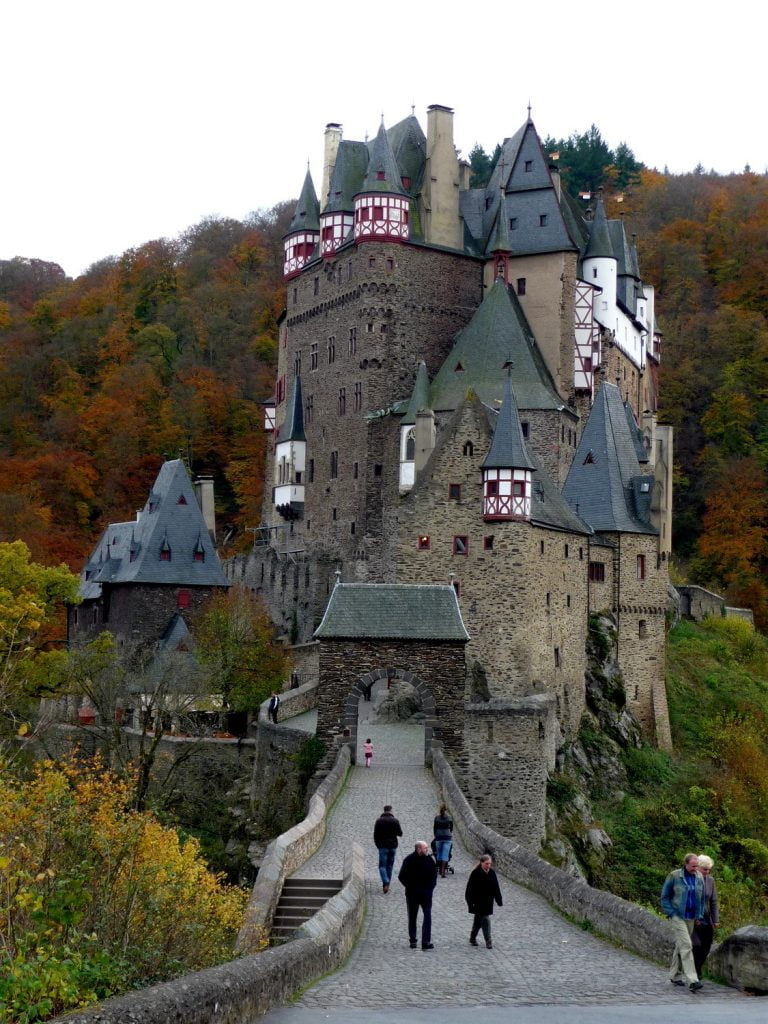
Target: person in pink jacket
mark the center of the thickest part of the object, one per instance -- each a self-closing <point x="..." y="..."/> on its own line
<point x="368" y="752"/>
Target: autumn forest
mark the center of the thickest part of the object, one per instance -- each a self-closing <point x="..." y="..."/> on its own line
<point x="170" y="348"/>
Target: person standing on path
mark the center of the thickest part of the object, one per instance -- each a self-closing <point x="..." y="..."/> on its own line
<point x="703" y="931"/>
<point x="418" y="875"/>
<point x="274" y="704"/>
<point x="682" y="900"/>
<point x="443" y="832"/>
<point x="481" y="894"/>
<point x="385" y="833"/>
<point x="368" y="752"/>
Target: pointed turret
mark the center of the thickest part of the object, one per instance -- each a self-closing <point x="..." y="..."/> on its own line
<point x="290" y="458"/>
<point x="499" y="245"/>
<point x="382" y="205"/>
<point x="337" y="218"/>
<point x="419" y="401"/>
<point x="600" y="267"/>
<point x="304" y="233"/>
<point x="507" y="468"/>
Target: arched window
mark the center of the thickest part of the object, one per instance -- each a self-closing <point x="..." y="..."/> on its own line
<point x="410" y="445"/>
<point x="469" y="449"/>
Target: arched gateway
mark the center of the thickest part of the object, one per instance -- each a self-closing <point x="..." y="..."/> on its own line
<point x="373" y="631"/>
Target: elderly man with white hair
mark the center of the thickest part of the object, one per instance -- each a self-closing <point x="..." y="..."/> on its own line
<point x="703" y="930"/>
<point x="419" y="876"/>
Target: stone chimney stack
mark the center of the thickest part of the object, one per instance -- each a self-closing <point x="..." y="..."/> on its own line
<point x="425" y="438"/>
<point x="442" y="176"/>
<point x="332" y="140"/>
<point x="205" y="499"/>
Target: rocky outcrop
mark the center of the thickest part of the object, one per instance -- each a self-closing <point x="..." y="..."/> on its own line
<point x="742" y="960"/>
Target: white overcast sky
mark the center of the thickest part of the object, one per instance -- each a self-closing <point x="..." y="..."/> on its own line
<point x="127" y="121"/>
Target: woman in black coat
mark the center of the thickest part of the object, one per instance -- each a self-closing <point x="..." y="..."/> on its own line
<point x="482" y="892"/>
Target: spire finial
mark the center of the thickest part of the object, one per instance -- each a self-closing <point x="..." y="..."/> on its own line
<point x="413" y="109"/>
<point x="529" y="109"/>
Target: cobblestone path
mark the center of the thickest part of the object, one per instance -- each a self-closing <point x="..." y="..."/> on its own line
<point x="538" y="956"/>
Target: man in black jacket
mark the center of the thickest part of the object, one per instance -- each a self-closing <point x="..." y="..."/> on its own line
<point x="385" y="833"/>
<point x="419" y="876"/>
<point x="482" y="892"/>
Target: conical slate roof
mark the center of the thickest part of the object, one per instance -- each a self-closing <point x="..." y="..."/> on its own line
<point x="419" y="397"/>
<point x="307" y="215"/>
<point x="292" y="427"/>
<point x="409" y="148"/>
<point x="508" y="449"/>
<point x="383" y="174"/>
<point x="604" y="483"/>
<point x="171" y="521"/>
<point x="497" y="333"/>
<point x="599" y="244"/>
<point x="499" y="237"/>
<point x="347" y="177"/>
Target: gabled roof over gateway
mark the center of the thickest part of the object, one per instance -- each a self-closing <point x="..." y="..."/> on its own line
<point x="161" y="545"/>
<point x="374" y="611"/>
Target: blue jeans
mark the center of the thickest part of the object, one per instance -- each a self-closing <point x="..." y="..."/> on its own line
<point x="386" y="863"/>
<point x="443" y="849"/>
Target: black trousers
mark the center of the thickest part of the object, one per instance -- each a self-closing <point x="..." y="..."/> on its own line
<point x="481" y="922"/>
<point x="416" y="900"/>
<point x="703" y="934"/>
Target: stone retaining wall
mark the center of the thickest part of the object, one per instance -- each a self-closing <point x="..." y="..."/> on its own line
<point x="292" y="702"/>
<point x="616" y="919"/>
<point x="245" y="989"/>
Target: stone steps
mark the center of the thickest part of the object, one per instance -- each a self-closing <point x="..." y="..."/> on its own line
<point x="300" y="899"/>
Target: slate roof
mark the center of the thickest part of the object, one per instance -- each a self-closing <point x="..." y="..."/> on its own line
<point x="498" y="240"/>
<point x="382" y="161"/>
<point x="383" y="611"/>
<point x="171" y="519"/>
<point x="347" y="176"/>
<point x="419" y="397"/>
<point x="636" y="434"/>
<point x="604" y="481"/>
<point x="292" y="427"/>
<point x="497" y="332"/>
<point x="409" y="148"/>
<point x="508" y="449"/>
<point x="599" y="244"/>
<point x="307" y="214"/>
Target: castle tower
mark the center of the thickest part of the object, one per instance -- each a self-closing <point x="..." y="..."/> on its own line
<point x="600" y="267"/>
<point x="337" y="218"/>
<point x="291" y="458"/>
<point x="440" y="194"/>
<point x="382" y="206"/>
<point x="302" y="238"/>
<point x="507" y="467"/>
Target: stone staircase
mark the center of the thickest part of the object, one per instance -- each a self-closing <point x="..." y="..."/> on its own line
<point x="300" y="899"/>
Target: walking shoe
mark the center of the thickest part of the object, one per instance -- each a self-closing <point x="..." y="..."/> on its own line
<point x="676" y="981"/>
<point x="489" y="945"/>
<point x="430" y="945"/>
<point x="385" y="887"/>
<point x="695" y="986"/>
<point x="413" y="945"/>
<point x="472" y="942"/>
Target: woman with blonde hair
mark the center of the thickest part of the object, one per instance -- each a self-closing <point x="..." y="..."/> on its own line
<point x="703" y="930"/>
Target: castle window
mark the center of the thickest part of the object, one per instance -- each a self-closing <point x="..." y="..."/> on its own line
<point x="352" y="526"/>
<point x="562" y="435"/>
<point x="295" y="295"/>
<point x="316" y="286"/>
<point x="383" y="328"/>
<point x="549" y="600"/>
<point x="597" y="572"/>
<point x="581" y="554"/>
<point x="311" y="470"/>
<point x="642" y="629"/>
<point x="468" y="450"/>
<point x="332" y="349"/>
<point x="183" y="599"/>
<point x="541" y="547"/>
<point x="309" y="525"/>
<point x="378" y="469"/>
<point x="566" y="551"/>
<point x="518" y="488"/>
<point x="524" y="428"/>
<point x="488" y="543"/>
<point x="461" y="545"/>
<point x="390" y="263"/>
<point x="371" y="262"/>
<point x="423" y="543"/>
<point x="358" y="397"/>
<point x="410" y="445"/>
<point x="594" y="272"/>
<point x="457" y="587"/>
<point x="133" y="555"/>
<point x="513" y="223"/>
<point x="355" y="470"/>
<point x="491" y="488"/>
<point x="309" y="408"/>
<point x="406" y="181"/>
<point x="333" y="514"/>
<point x="542" y="220"/>
<point x="641" y="567"/>
<point x="182" y="500"/>
<point x="198" y="556"/>
<point x="352" y="340"/>
<point x="349" y="270"/>
<point x="313" y="356"/>
<point x="381" y="176"/>
<point x="165" y="555"/>
<point x="454" y="492"/>
<point x="567" y="600"/>
<point x="378" y="213"/>
<point x="342" y="401"/>
<point x="557" y="657"/>
<point x="521" y="286"/>
<point x="528" y="166"/>
<point x="369" y="328"/>
<point x="334" y="465"/>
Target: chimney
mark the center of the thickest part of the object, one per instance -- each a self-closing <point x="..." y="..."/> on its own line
<point x="442" y="225"/>
<point x="204" y="494"/>
<point x="332" y="140"/>
<point x="554" y="170"/>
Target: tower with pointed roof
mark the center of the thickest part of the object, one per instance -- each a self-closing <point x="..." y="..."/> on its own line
<point x="301" y="241"/>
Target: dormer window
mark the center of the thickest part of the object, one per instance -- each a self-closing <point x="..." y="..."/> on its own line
<point x="381" y="176"/>
<point x="406" y="182"/>
<point x="182" y="500"/>
<point x="528" y="166"/>
<point x="165" y="554"/>
<point x="199" y="556"/>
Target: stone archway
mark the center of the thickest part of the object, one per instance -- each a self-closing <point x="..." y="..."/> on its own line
<point x="369" y="679"/>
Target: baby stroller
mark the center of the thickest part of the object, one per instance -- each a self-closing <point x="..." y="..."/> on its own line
<point x="433" y="844"/>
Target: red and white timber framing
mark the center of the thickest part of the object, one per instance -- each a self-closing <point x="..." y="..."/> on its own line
<point x="334" y="228"/>
<point x="587" y="353"/>
<point x="381" y="218"/>
<point x="506" y="494"/>
<point x="298" y="249"/>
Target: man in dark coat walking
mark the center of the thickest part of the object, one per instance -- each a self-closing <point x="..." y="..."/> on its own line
<point x="419" y="876"/>
<point x="482" y="892"/>
<point x="385" y="833"/>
